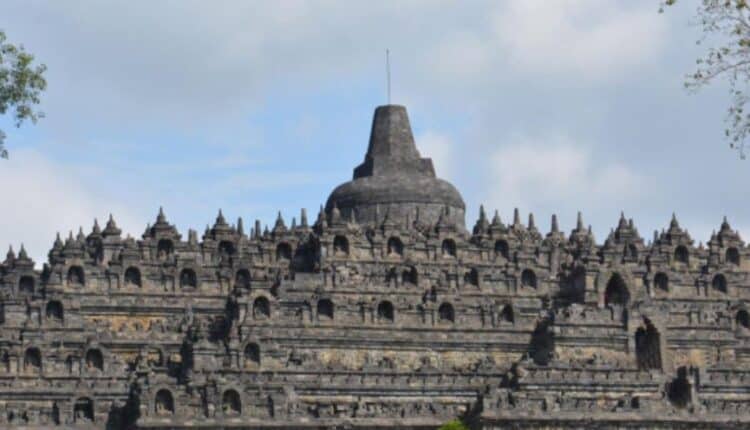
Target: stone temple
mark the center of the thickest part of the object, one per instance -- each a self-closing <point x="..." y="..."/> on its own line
<point x="383" y="312"/>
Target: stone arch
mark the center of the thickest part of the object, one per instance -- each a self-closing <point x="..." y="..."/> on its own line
<point x="164" y="402"/>
<point x="284" y="252"/>
<point x="94" y="359"/>
<point x="732" y="256"/>
<point x="661" y="282"/>
<point x="27" y="284"/>
<point x="742" y="319"/>
<point x="32" y="359"/>
<point x="410" y="276"/>
<point x="164" y="248"/>
<point x="573" y="287"/>
<point x="386" y="312"/>
<point x="261" y="308"/>
<point x="54" y="311"/>
<point x="132" y="277"/>
<point x="83" y="410"/>
<point x="242" y="279"/>
<point x="446" y="313"/>
<point x="502" y="248"/>
<point x="678" y="390"/>
<point x="648" y="346"/>
<point x="231" y="402"/>
<point x="188" y="278"/>
<point x="681" y="255"/>
<point x="449" y="248"/>
<point x="340" y="245"/>
<point x="325" y="309"/>
<point x="76" y="276"/>
<point x="395" y="247"/>
<point x="507" y="314"/>
<point x="472" y="277"/>
<point x="252" y="354"/>
<point x="616" y="292"/>
<point x="528" y="279"/>
<point x="719" y="283"/>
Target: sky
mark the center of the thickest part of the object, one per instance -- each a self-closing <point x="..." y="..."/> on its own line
<point x="257" y="107"/>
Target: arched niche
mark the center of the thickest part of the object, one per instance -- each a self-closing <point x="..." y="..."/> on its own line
<point x="719" y="283"/>
<point x="76" y="276"/>
<point x="32" y="359"/>
<point x="261" y="308"/>
<point x="616" y="292"/>
<point x="284" y="252"/>
<point x="27" y="284"/>
<point x="661" y="282"/>
<point x="325" y="309"/>
<point x="94" y="359"/>
<point x="446" y="314"/>
<point x="449" y="248"/>
<point x="132" y="277"/>
<point x="528" y="279"/>
<point x="340" y="246"/>
<point x="252" y="354"/>
<point x="164" y="403"/>
<point x="395" y="247"/>
<point x="231" y="403"/>
<point x="188" y="278"/>
<point x="681" y="255"/>
<point x="54" y="311"/>
<point x="385" y="312"/>
<point x="732" y="256"/>
<point x="242" y="279"/>
<point x="507" y="314"/>
<point x="648" y="346"/>
<point x="502" y="249"/>
<point x="83" y="410"/>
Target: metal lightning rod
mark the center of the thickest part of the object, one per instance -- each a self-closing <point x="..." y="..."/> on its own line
<point x="388" y="72"/>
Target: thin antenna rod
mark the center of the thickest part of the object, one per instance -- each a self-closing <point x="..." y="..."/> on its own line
<point x="388" y="72"/>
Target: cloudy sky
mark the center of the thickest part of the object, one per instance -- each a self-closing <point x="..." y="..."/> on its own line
<point x="548" y="106"/>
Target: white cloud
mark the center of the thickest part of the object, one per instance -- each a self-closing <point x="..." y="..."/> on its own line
<point x="584" y="38"/>
<point x="41" y="197"/>
<point x="555" y="173"/>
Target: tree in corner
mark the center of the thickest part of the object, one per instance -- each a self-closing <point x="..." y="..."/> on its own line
<point x="729" y="22"/>
<point x="21" y="83"/>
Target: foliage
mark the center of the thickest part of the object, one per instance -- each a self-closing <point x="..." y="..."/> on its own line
<point x="21" y="84"/>
<point x="454" y="425"/>
<point x="730" y="20"/>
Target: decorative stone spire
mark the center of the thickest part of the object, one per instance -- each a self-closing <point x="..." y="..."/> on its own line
<point x="10" y="256"/>
<point x="22" y="255"/>
<point x="256" y="230"/>
<point x="111" y="228"/>
<point x="497" y="223"/>
<point x="58" y="244"/>
<point x="161" y="218"/>
<point x="240" y="227"/>
<point x="279" y="227"/>
<point x="81" y="238"/>
<point x="95" y="230"/>
<point x="303" y="218"/>
<point x="516" y="217"/>
<point x="554" y="228"/>
<point x="482" y="223"/>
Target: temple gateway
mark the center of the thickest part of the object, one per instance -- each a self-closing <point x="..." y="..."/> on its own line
<point x="384" y="311"/>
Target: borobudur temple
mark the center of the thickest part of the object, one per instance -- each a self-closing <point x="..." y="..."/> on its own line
<point x="384" y="311"/>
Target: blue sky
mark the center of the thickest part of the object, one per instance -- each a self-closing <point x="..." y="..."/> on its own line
<point x="549" y="106"/>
